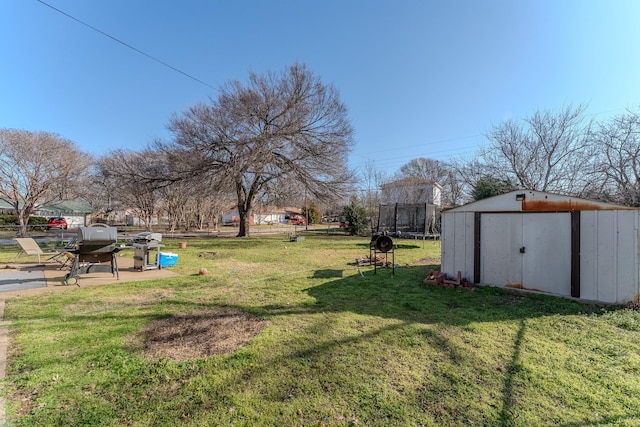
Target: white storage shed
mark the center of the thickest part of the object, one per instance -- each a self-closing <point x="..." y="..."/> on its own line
<point x="546" y="242"/>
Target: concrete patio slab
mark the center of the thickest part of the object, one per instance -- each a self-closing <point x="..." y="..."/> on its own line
<point x="26" y="279"/>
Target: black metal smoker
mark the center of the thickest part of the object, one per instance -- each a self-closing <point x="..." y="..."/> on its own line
<point x="95" y="247"/>
<point x="382" y="243"/>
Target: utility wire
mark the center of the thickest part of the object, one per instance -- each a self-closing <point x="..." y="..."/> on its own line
<point x="127" y="45"/>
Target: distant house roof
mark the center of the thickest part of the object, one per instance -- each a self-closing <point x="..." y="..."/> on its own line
<point x="55" y="208"/>
<point x="261" y="209"/>
<point x="67" y="206"/>
<point x="5" y="205"/>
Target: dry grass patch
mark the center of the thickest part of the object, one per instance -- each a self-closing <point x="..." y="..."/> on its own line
<point x="145" y="298"/>
<point x="200" y="334"/>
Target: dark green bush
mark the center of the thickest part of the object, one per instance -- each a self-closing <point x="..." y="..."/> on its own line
<point x="356" y="216"/>
<point x="8" y="219"/>
<point x="37" y="222"/>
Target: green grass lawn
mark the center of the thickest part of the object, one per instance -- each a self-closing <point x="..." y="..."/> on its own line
<point x="341" y="346"/>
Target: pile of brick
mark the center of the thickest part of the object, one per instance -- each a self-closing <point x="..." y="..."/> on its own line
<point x="438" y="278"/>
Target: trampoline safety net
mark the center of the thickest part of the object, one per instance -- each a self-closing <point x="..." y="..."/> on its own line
<point x="419" y="220"/>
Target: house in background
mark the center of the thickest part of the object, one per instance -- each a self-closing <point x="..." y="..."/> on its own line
<point x="133" y="219"/>
<point x="411" y="190"/>
<point x="268" y="215"/>
<point x="546" y="242"/>
<point x="264" y="215"/>
<point x="75" y="212"/>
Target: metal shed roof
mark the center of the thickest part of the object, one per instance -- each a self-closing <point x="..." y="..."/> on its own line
<point x="535" y="201"/>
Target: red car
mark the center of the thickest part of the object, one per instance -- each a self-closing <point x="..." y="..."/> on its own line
<point x="297" y="221"/>
<point x="57" y="222"/>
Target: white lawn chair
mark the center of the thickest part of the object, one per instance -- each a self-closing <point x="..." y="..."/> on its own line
<point x="30" y="247"/>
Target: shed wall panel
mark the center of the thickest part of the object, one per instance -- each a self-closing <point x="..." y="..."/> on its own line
<point x="547" y="258"/>
<point x="626" y="256"/>
<point x="457" y="244"/>
<point x="607" y="272"/>
<point x="447" y="241"/>
<point x="467" y="256"/>
<point x="589" y="255"/>
<point x="609" y="255"/>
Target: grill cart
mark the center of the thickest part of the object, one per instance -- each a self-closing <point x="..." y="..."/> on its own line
<point x="95" y="252"/>
<point x="144" y="244"/>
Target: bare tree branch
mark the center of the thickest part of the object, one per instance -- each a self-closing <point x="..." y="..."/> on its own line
<point x="545" y="152"/>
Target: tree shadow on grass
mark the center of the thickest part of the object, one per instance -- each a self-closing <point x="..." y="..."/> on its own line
<point x="403" y="296"/>
<point x="508" y="403"/>
<point x="425" y="316"/>
<point x="313" y="348"/>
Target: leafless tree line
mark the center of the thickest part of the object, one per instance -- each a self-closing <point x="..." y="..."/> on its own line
<point x="285" y="137"/>
<point x="559" y="151"/>
<point x="146" y="183"/>
<point x="277" y="138"/>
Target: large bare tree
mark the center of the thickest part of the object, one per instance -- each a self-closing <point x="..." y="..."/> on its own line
<point x="616" y="177"/>
<point x="547" y="151"/>
<point x="276" y="128"/>
<point x="37" y="168"/>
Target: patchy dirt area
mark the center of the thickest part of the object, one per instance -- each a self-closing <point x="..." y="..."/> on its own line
<point x="200" y="334"/>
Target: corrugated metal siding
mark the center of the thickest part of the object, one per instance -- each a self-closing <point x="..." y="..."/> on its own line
<point x="609" y="256"/>
<point x="457" y="244"/>
<point x="535" y="201"/>
<point x="627" y="256"/>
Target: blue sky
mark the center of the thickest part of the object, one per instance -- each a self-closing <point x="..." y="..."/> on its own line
<point x="420" y="78"/>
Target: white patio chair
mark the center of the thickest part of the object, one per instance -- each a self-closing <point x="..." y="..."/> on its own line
<point x="31" y="248"/>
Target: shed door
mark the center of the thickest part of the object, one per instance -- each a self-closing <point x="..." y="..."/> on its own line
<point x="500" y="243"/>
<point x="532" y="250"/>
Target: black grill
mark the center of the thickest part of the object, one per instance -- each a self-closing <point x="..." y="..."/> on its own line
<point x="97" y="239"/>
<point x="95" y="246"/>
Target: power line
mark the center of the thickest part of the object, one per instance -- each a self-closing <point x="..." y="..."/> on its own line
<point x="392" y="162"/>
<point x="127" y="45"/>
<point x="384" y="161"/>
